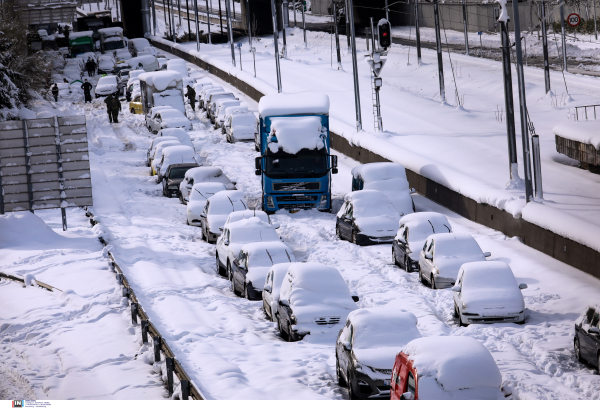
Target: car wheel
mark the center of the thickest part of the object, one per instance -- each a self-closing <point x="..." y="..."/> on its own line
<point x="232" y="286"/>
<point x="290" y="335"/>
<point x="220" y="269"/>
<point x="577" y="348"/>
<point x="229" y="273"/>
<point x="354" y="237"/>
<point x="280" y="329"/>
<point x="432" y="282"/>
<point x="246" y="293"/>
<point x="340" y="379"/>
<point x="455" y="314"/>
<point x="337" y="231"/>
<point x="407" y="266"/>
<point x="351" y="395"/>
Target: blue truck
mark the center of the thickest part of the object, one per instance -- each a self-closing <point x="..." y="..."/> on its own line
<point x="294" y="144"/>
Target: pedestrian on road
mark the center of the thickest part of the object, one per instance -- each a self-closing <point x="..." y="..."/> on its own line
<point x="108" y="101"/>
<point x="128" y="94"/>
<point x="87" y="91"/>
<point x="115" y="107"/>
<point x="191" y="94"/>
<point x="65" y="80"/>
<point x="55" y="92"/>
<point x="66" y="32"/>
<point x="89" y="67"/>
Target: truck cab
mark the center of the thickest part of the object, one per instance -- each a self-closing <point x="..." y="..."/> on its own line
<point x="81" y="42"/>
<point x="295" y="161"/>
<point x="111" y="39"/>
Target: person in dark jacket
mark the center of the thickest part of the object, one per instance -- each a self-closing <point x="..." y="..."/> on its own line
<point x="114" y="106"/>
<point x="108" y="101"/>
<point x="87" y="91"/>
<point x="89" y="67"/>
<point x="66" y="32"/>
<point x="55" y="92"/>
<point x="65" y="80"/>
<point x="191" y="94"/>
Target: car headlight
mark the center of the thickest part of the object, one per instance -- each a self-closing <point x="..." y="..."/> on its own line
<point x="270" y="202"/>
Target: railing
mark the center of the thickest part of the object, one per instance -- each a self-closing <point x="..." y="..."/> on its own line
<point x="585" y="108"/>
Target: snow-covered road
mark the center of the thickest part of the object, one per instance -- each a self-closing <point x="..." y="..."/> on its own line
<point x="226" y="344"/>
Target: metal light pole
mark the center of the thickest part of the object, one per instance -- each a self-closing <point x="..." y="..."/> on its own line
<point x="165" y="10"/>
<point x="283" y="11"/>
<point x="230" y="31"/>
<point x="294" y="6"/>
<point x="249" y="18"/>
<point x="464" y="9"/>
<point x="208" y="21"/>
<point x="337" y="36"/>
<point x="595" y="20"/>
<point x="513" y="167"/>
<point x="438" y="40"/>
<point x="197" y="25"/>
<point x="304" y="26"/>
<point x="387" y="12"/>
<point x="354" y="66"/>
<point x="276" y="45"/>
<point x="179" y="11"/>
<point x="522" y="105"/>
<point x="537" y="167"/>
<point x="417" y="32"/>
<point x="221" y="17"/>
<point x="154" y="16"/>
<point x="347" y="26"/>
<point x="545" y="46"/>
<point x="173" y="23"/>
<point x="187" y="13"/>
<point x="564" y="42"/>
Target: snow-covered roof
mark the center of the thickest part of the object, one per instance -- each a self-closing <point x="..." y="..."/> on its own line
<point x="179" y="66"/>
<point x="110" y="31"/>
<point x="203" y="172"/>
<point x="160" y="80"/>
<point x="454" y="243"/>
<point x="202" y="191"/>
<point x="587" y="132"/>
<point x="316" y="277"/>
<point x="488" y="274"/>
<point x="144" y="60"/>
<point x="140" y="42"/>
<point x="383" y="326"/>
<point x="109" y="79"/>
<point x="221" y="202"/>
<point x="293" y="134"/>
<point x="78" y="34"/>
<point x="436" y="222"/>
<point x="177" y="154"/>
<point x="172" y="113"/>
<point x="251" y="230"/>
<point x="134" y="74"/>
<point x="241" y="215"/>
<point x="455" y="362"/>
<point x="249" y="223"/>
<point x="277" y="251"/>
<point x="367" y="203"/>
<point x="159" y="139"/>
<point x="379" y="171"/>
<point x="305" y="103"/>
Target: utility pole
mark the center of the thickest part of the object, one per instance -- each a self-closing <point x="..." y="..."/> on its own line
<point x="508" y="94"/>
<point x="417" y="32"/>
<point x="545" y="46"/>
<point x="438" y="40"/>
<point x="179" y="11"/>
<point x="337" y="36"/>
<point x="304" y="26"/>
<point x="464" y="8"/>
<point x="523" y="105"/>
<point x="564" y="42"/>
<point x="284" y="8"/>
<point x="154" y="16"/>
<point x="249" y="18"/>
<point x="276" y="45"/>
<point x="595" y="20"/>
<point x="387" y="12"/>
<point x="208" y="21"/>
<point x="221" y="17"/>
<point x="197" y="26"/>
<point x="187" y="14"/>
<point x="230" y="31"/>
<point x="173" y="23"/>
<point x="354" y="65"/>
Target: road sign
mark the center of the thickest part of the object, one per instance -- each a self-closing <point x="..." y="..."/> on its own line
<point x="574" y="20"/>
<point x="479" y="32"/>
<point x="239" y="45"/>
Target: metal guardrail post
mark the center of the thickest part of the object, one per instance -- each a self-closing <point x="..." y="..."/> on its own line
<point x="185" y="390"/>
<point x="134" y="312"/>
<point x="126" y="292"/>
<point x="170" y="363"/>
<point x="157" y="343"/>
<point x="145" y="327"/>
<point x="537" y="167"/>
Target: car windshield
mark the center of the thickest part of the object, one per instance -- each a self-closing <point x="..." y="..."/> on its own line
<point x="178" y="172"/>
<point x="457" y="247"/>
<point x="243" y="120"/>
<point x="223" y="207"/>
<point x="489" y="279"/>
<point x="113" y="45"/>
<point x="306" y="163"/>
<point x="267" y="258"/>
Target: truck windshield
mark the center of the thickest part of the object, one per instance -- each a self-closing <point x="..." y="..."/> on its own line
<point x="306" y="163"/>
<point x="81" y="48"/>
<point x="113" y="45"/>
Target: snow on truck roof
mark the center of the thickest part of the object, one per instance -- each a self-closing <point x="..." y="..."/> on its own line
<point x="306" y="103"/>
<point x="78" y="34"/>
<point x="160" y="80"/>
<point x="455" y="362"/>
<point x="379" y="171"/>
<point x="293" y="134"/>
<point x="110" y="31"/>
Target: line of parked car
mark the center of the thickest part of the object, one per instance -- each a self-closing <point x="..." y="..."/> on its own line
<point x="380" y="353"/>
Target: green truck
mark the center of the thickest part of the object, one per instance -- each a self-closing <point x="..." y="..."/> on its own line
<point x="81" y="42"/>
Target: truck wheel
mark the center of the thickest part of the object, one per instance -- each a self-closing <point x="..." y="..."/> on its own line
<point x="577" y="348"/>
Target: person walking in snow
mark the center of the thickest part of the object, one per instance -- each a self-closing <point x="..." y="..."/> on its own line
<point x="66" y="32"/>
<point x="108" y="101"/>
<point x="87" y="91"/>
<point x="55" y="92"/>
<point x="89" y="67"/>
<point x="191" y="94"/>
<point x="115" y="106"/>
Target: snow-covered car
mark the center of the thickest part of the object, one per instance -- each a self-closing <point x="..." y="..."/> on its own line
<point x="204" y="174"/>
<point x="235" y="235"/>
<point x="181" y="135"/>
<point x="412" y="234"/>
<point x="446" y="368"/>
<point x="158" y="154"/>
<point x="240" y="126"/>
<point x="487" y="292"/>
<point x="134" y="74"/>
<point x="162" y="62"/>
<point x="123" y="75"/>
<point x="272" y="287"/>
<point x="153" y="111"/>
<point x="314" y="299"/>
<point x="107" y="85"/>
<point x="178" y="65"/>
<point x="587" y="336"/>
<point x="136" y="45"/>
<point x="135" y="106"/>
<point x="148" y="63"/>
<point x="367" y="217"/>
<point x="442" y="256"/>
<point x="172" y="177"/>
<point x="366" y="348"/>
<point x="217" y="209"/>
<point x="106" y="63"/>
<point x="122" y="54"/>
<point x="155" y="142"/>
<point x="250" y="269"/>
<point x="231" y="111"/>
<point x="213" y="99"/>
<point x="390" y="179"/>
<point x="222" y="105"/>
<point x="196" y="201"/>
<point x="246" y="214"/>
<point x="174" y="155"/>
<point x="148" y="51"/>
<point x="206" y="92"/>
<point x="168" y="118"/>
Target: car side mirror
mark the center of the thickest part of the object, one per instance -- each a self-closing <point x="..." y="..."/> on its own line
<point x="522" y="286"/>
<point x="267" y="288"/>
<point x="334" y="171"/>
<point x="283" y="302"/>
<point x="487" y="254"/>
<point x="428" y="256"/>
<point x="407" y="396"/>
<point x="594" y="330"/>
<point x="456" y="289"/>
<point x="226" y="242"/>
<point x="355" y="298"/>
<point x="347" y="346"/>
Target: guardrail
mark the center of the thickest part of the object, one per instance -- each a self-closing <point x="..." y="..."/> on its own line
<point x="585" y="108"/>
<point x="22" y="280"/>
<point x="149" y="331"/>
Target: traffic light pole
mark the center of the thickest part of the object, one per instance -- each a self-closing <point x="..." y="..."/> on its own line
<point x="230" y="31"/>
<point x="508" y="101"/>
<point x="354" y="65"/>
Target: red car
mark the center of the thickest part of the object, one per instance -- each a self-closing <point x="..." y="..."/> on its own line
<point x="447" y="368"/>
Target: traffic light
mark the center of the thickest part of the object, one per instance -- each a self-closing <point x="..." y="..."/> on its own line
<point x="385" y="34"/>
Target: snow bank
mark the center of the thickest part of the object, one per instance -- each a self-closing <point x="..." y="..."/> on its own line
<point x="456" y="363"/>
<point x="587" y="132"/>
<point x="292" y="134"/>
<point x="161" y="80"/>
<point x="306" y="103"/>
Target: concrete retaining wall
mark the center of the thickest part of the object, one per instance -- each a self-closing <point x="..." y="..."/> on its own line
<point x="563" y="249"/>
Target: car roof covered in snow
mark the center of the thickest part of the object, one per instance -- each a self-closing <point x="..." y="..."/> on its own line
<point x="316" y="277"/>
<point x="111" y="31"/>
<point x="159" y="139"/>
<point x="204" y="171"/>
<point x="172" y="113"/>
<point x="246" y="214"/>
<point x="305" y="103"/>
<point x="436" y="222"/>
<point x="161" y="80"/>
<point x="455" y="362"/>
<point x="107" y="79"/>
<point x="379" y="171"/>
<point x="224" y="196"/>
<point x="261" y="246"/>
<point x="135" y="73"/>
<point x="180" y="134"/>
<point x="249" y="223"/>
<point x="370" y="203"/>
<point x="140" y="42"/>
<point x="488" y="274"/>
<point x="383" y="326"/>
<point x="296" y="133"/>
<point x="185" y="152"/>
